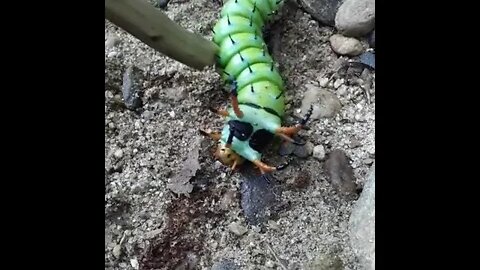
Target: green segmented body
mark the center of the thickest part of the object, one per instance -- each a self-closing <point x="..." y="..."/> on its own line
<point x="243" y="56"/>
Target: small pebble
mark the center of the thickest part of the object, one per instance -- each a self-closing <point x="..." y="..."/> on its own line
<point x="147" y="114"/>
<point x="323" y="82"/>
<point x="237" y="228"/>
<point x="108" y="94"/>
<point x="319" y="152"/>
<point x="368" y="161"/>
<point x="256" y="229"/>
<point x="355" y="18"/>
<point x="117" y="251"/>
<point x="355" y="143"/>
<point x="273" y="224"/>
<point x="175" y="94"/>
<point x="134" y="263"/>
<point x="345" y="45"/>
<point x="118" y="153"/>
<point x="217" y="165"/>
<point x="342" y="90"/>
<point x="269" y="264"/>
<point x="303" y="151"/>
<point x="112" y="41"/>
<point x="359" y="117"/>
<point x="172" y="114"/>
<point x="338" y="83"/>
<point x="286" y="148"/>
<point x="112" y="54"/>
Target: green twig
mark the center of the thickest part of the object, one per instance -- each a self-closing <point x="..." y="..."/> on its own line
<point x="154" y="28"/>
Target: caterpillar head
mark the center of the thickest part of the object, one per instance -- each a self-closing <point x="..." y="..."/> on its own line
<point x="227" y="156"/>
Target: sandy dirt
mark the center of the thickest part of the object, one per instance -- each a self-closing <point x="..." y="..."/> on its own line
<point x="149" y="227"/>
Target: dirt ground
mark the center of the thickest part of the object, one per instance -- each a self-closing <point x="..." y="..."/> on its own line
<point x="149" y="227"/>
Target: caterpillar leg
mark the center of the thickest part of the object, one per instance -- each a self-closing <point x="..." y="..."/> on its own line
<point x="220" y="112"/>
<point x="286" y="138"/>
<point x="292" y="131"/>
<point x="215" y="135"/>
<point x="264" y="168"/>
<point x="234" y="94"/>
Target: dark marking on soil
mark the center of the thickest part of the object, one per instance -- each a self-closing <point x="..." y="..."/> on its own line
<point x="171" y="247"/>
<point x="301" y="181"/>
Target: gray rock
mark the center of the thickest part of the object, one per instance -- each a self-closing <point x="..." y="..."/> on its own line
<point x="345" y="45"/>
<point x="112" y="41"/>
<point x="319" y="152"/>
<point x="237" y="228"/>
<point x="225" y="264"/>
<point x="134" y="263"/>
<point x="303" y="151"/>
<point x="325" y="104"/>
<point x="355" y="18"/>
<point x="175" y="94"/>
<point x="286" y="148"/>
<point x="117" y="251"/>
<point x="258" y="196"/>
<point x="340" y="173"/>
<point x="338" y="83"/>
<point x="362" y="224"/>
<point x="323" y="11"/>
<point x="368" y="58"/>
<point x="269" y="264"/>
<point x="118" y="153"/>
<point x="161" y="3"/>
<point x="112" y="54"/>
<point x="324" y="81"/>
<point x="132" y="85"/>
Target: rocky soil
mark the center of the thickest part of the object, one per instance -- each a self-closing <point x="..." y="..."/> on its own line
<point x="170" y="205"/>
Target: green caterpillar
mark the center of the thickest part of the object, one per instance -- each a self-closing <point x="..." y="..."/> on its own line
<point x="257" y="89"/>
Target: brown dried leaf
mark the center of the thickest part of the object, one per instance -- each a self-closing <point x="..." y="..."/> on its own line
<point x="180" y="183"/>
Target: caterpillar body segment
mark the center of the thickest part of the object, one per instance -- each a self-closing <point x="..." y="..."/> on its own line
<point x="258" y="106"/>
